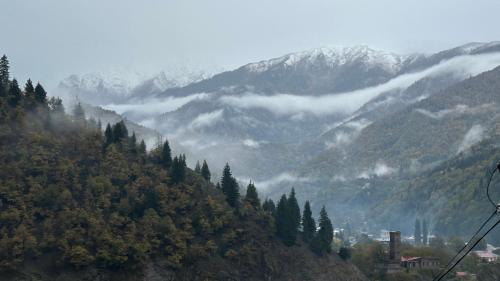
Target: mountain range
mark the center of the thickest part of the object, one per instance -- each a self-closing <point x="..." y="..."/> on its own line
<point x="347" y="126"/>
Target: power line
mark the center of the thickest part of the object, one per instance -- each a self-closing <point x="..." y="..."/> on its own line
<point x="496" y="206"/>
<point x="468" y="251"/>
<point x="467" y="244"/>
<point x="497" y="168"/>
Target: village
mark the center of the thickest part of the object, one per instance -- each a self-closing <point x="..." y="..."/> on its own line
<point x="395" y="261"/>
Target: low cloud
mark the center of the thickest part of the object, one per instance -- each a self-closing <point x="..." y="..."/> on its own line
<point x="251" y="143"/>
<point x="206" y="119"/>
<point x="459" y="109"/>
<point x="472" y="137"/>
<point x="343" y="137"/>
<point x="345" y="103"/>
<point x="380" y="169"/>
<point x="151" y="107"/>
<point x="279" y="179"/>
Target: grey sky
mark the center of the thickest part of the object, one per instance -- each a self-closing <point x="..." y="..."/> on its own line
<point x="49" y="40"/>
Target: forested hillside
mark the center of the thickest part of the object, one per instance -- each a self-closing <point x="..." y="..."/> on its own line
<point x="80" y="204"/>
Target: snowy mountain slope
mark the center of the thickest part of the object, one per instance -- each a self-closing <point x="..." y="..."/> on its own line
<point x="314" y="72"/>
<point x="101" y="88"/>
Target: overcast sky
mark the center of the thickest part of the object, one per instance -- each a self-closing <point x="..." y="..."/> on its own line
<point x="49" y="40"/>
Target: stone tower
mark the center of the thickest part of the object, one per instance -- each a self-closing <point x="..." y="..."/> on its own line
<point x="394" y="246"/>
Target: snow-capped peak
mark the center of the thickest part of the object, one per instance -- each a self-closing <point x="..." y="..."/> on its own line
<point x="336" y="56"/>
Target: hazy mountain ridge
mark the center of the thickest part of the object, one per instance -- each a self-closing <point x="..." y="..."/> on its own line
<point x="339" y="147"/>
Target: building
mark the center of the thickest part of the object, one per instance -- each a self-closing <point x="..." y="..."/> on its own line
<point x="486" y="256"/>
<point x="419" y="262"/>
<point x="396" y="263"/>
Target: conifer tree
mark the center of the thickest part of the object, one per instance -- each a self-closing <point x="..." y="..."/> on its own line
<point x="142" y="147"/>
<point x="29" y="89"/>
<point x="425" y="232"/>
<point x="56" y="106"/>
<point x="269" y="206"/>
<point x="230" y="187"/>
<point x="120" y="132"/>
<point x="78" y="113"/>
<point x="308" y="223"/>
<point x="166" y="155"/>
<point x="294" y="209"/>
<point x="252" y="196"/>
<point x="197" y="168"/>
<point x="177" y="170"/>
<point x="321" y="243"/>
<point x="29" y="94"/>
<point x="418" y="232"/>
<point x="3" y="90"/>
<point x="108" y="134"/>
<point x="285" y="223"/>
<point x="15" y="94"/>
<point x="132" y="143"/>
<point x="205" y="172"/>
<point x="217" y="185"/>
<point x="4" y="71"/>
<point x="40" y="94"/>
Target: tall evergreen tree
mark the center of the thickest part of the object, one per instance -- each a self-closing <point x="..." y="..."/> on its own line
<point x="230" y="187"/>
<point x="321" y="243"/>
<point x="55" y="105"/>
<point x="252" y="197"/>
<point x="15" y="94"/>
<point x="28" y="88"/>
<point x="418" y="232"/>
<point x="269" y="206"/>
<point x="177" y="170"/>
<point x="294" y="209"/>
<point x="205" y="172"/>
<point x="29" y="95"/>
<point x="78" y="113"/>
<point x="425" y="232"/>
<point x="142" y="147"/>
<point x="40" y="94"/>
<point x="108" y="134"/>
<point x="308" y="223"/>
<point x="120" y="132"/>
<point x="4" y="71"/>
<point x="197" y="168"/>
<point x="166" y="155"/>
<point x="285" y="224"/>
<point x="132" y="143"/>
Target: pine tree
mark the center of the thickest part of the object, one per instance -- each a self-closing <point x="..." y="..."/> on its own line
<point x="15" y="94"/>
<point x="205" y="172"/>
<point x="56" y="106"/>
<point x="321" y="243"/>
<point x="285" y="224"/>
<point x="166" y="155"/>
<point x="425" y="232"/>
<point x="142" y="147"/>
<point x="308" y="223"/>
<point x="132" y="143"/>
<point x="29" y="90"/>
<point x="120" y="132"/>
<point x="269" y="206"/>
<point x="418" y="232"/>
<point x="177" y="170"/>
<point x="4" y="71"/>
<point x="197" y="168"/>
<point x="252" y="197"/>
<point x="230" y="187"/>
<point x="217" y="185"/>
<point x="78" y="113"/>
<point x="40" y="94"/>
<point x="294" y="209"/>
<point x="108" y="134"/>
